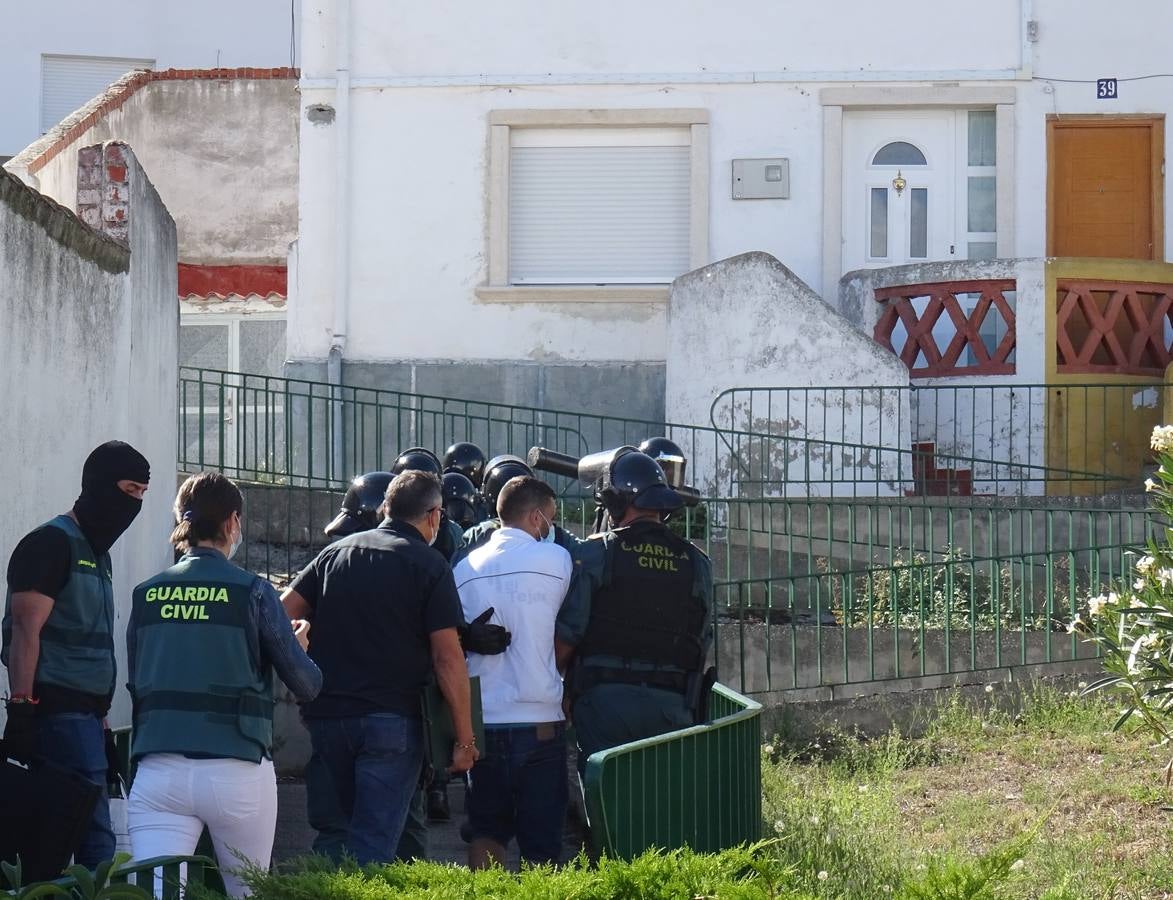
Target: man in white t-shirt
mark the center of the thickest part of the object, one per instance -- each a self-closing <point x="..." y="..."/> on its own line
<point x="518" y="786"/>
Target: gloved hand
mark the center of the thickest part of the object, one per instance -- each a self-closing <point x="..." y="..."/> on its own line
<point x="480" y="637"/>
<point x="20" y="733"/>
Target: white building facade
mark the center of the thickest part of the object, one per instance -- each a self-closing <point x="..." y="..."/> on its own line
<point x="494" y="198"/>
<point x="55" y="57"/>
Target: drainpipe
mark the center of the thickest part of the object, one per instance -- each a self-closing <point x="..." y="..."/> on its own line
<point x="1028" y="34"/>
<point x="341" y="226"/>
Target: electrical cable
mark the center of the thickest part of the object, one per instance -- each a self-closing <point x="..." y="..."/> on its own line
<point x="1094" y="80"/>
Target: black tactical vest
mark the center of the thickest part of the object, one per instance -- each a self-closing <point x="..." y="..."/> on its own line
<point x="647" y="610"/>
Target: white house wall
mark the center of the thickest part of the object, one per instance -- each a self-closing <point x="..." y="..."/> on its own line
<point x="425" y="78"/>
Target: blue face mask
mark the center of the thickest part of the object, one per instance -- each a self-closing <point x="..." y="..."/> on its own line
<point x="548" y="537"/>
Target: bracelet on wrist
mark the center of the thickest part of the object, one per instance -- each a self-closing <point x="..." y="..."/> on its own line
<point x="18" y="699"/>
<point x="471" y="745"/>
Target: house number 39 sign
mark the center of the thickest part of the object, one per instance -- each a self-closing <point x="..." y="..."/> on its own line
<point x="1106" y="89"/>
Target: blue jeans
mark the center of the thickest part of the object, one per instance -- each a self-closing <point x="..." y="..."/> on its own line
<point x="608" y="715"/>
<point x="77" y="741"/>
<point x="519" y="787"/>
<point x="325" y="817"/>
<point x="374" y="763"/>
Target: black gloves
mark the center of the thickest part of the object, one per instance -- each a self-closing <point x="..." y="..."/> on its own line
<point x="20" y="734"/>
<point x="481" y="637"/>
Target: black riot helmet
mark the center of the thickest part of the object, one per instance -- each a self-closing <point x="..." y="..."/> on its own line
<point x="635" y="479"/>
<point x="499" y="470"/>
<point x="362" y="505"/>
<point x="417" y="458"/>
<point x="460" y="499"/>
<point x="670" y="457"/>
<point x="467" y="459"/>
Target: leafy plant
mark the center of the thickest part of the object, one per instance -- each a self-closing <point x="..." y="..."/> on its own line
<point x="96" y="885"/>
<point x="1133" y="625"/>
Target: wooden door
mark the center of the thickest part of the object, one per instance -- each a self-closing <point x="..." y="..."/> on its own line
<point x="1105" y="187"/>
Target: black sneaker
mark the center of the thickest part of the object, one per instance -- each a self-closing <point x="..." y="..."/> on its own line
<point x="438" y="805"/>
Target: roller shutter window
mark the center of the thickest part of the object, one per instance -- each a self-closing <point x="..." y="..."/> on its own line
<point x="70" y="82"/>
<point x="598" y="205"/>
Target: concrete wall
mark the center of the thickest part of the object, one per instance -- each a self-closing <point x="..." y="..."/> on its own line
<point x="204" y="35"/>
<point x="223" y="156"/>
<point x="978" y="422"/>
<point x="88" y="335"/>
<point x="750" y="322"/>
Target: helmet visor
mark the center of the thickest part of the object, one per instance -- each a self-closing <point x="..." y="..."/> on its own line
<point x="658" y="496"/>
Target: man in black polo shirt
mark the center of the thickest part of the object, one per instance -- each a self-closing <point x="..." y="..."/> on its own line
<point x="385" y="610"/>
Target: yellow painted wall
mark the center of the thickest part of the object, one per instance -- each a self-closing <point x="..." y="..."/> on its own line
<point x="1099" y="424"/>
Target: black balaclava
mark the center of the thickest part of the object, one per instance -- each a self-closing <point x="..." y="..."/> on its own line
<point x="103" y="510"/>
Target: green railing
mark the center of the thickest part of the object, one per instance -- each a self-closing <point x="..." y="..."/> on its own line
<point x="946" y="439"/>
<point x="319" y="435"/>
<point x="700" y="787"/>
<point x="941" y="616"/>
<point x="165" y="877"/>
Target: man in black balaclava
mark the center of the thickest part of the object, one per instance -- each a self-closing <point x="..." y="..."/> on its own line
<point x="58" y="632"/>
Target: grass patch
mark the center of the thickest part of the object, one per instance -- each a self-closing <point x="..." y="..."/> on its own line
<point x="1081" y="807"/>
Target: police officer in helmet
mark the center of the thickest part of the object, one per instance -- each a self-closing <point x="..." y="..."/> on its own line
<point x="639" y="668"/>
<point x="460" y="500"/>
<point x="467" y="459"/>
<point x="362" y="505"/>
<point x="421" y="459"/>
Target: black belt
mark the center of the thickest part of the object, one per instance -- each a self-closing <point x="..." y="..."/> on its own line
<point x="588" y="677"/>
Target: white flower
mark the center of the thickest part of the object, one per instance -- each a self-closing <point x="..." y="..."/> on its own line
<point x="1150" y="485"/>
<point x="779" y="826"/>
<point x="815" y="820"/>
<point x="1137" y="603"/>
<point x="1095" y="605"/>
<point x="1150" y="640"/>
<point x="1162" y="439"/>
<point x="1082" y="685"/>
<point x="823" y="876"/>
<point x="768" y="749"/>
<point x="1144" y="564"/>
<point x="1138" y="585"/>
<point x="863" y="788"/>
<point x="1165" y="578"/>
<point x="1018" y="865"/>
<point x="1076" y="625"/>
<point x="989" y="689"/>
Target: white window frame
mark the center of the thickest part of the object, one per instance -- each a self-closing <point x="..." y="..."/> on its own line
<point x="498" y="288"/>
<point x="232" y="319"/>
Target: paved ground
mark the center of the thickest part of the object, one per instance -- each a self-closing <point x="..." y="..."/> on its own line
<point x="294" y="835"/>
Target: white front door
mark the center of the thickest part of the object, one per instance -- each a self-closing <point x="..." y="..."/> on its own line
<point x="918" y="185"/>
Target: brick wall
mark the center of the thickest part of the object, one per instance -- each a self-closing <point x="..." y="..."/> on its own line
<point x="103" y="189"/>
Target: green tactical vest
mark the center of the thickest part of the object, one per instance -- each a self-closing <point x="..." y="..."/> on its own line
<point x="77" y="642"/>
<point x="199" y="687"/>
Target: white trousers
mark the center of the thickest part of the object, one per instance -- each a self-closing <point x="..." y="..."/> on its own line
<point x="173" y="798"/>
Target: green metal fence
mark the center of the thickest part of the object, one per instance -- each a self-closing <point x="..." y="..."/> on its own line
<point x="944" y="439"/>
<point x="787" y="442"/>
<point x="917" y="617"/>
<point x="805" y="565"/>
<point x="699" y="787"/>
<point x="165" y="877"/>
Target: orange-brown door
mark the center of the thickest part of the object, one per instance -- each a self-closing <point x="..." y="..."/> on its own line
<point x="1105" y="187"/>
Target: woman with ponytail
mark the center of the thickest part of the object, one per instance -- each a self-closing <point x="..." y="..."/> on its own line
<point x="203" y="642"/>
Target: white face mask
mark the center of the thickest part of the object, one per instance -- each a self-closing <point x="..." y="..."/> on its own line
<point x="548" y="537"/>
<point x="435" y="533"/>
<point x="237" y="542"/>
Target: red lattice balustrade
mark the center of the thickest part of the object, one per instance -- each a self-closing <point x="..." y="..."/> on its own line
<point x="940" y="304"/>
<point x="1112" y="327"/>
